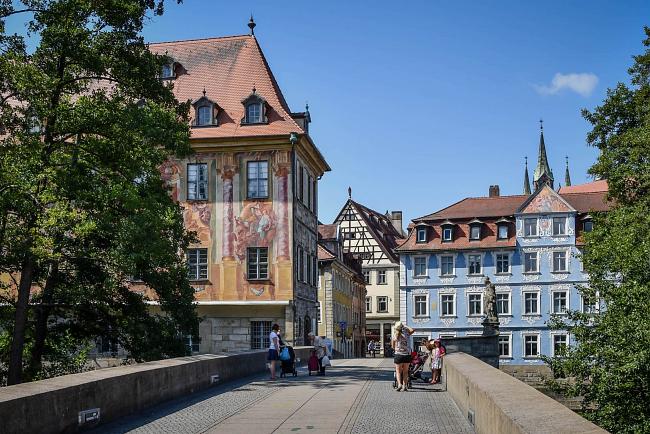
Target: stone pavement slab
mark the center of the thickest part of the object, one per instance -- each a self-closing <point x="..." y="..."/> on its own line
<point x="356" y="396"/>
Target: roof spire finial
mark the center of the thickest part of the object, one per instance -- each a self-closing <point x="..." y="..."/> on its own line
<point x="204" y="91"/>
<point x="567" y="176"/>
<point x="254" y="90"/>
<point x="526" y="179"/>
<point x="542" y="175"/>
<point x="541" y="125"/>
<point x="350" y="192"/>
<point x="251" y="24"/>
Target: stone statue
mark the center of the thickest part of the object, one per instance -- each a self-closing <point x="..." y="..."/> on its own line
<point x="490" y="300"/>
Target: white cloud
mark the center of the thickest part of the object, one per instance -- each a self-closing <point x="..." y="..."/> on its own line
<point x="583" y="84"/>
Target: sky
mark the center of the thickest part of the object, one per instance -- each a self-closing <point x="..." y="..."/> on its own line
<point x="418" y="104"/>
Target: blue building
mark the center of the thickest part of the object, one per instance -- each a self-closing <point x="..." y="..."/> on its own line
<point x="529" y="247"/>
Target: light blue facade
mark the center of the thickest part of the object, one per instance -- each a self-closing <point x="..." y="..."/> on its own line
<point x="437" y="305"/>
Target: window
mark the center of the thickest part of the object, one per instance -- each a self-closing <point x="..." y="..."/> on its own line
<point x="381" y="277"/>
<point x="475" y="232"/>
<point x="475" y="304"/>
<point x="349" y="235"/>
<point x="503" y="263"/>
<point x="559" y="225"/>
<point x="559" y="261"/>
<point x="167" y="70"/>
<point x="560" y="343"/>
<point x="505" y="345"/>
<point x="258" y="263"/>
<point x="309" y="184"/>
<point x="447" y="233"/>
<point x="502" y="232"/>
<point x="530" y="262"/>
<point x="257" y="179"/>
<point x="531" y="303"/>
<point x="531" y="345"/>
<point x="422" y="235"/>
<point x="420" y="266"/>
<point x="382" y="304"/>
<point x="204" y="115"/>
<point x="254" y="113"/>
<point x="448" y="305"/>
<point x="589" y="304"/>
<point x="474" y="262"/>
<point x="366" y="276"/>
<point x="503" y="303"/>
<point x="197" y="181"/>
<point x="260" y="331"/>
<point x="446" y="265"/>
<point x="530" y="227"/>
<point x="309" y="271"/>
<point x="560" y="301"/>
<point x="197" y="262"/>
<point x="368" y="304"/>
<point x="192" y="343"/>
<point x="314" y="269"/>
<point x="587" y="226"/>
<point x="420" y="303"/>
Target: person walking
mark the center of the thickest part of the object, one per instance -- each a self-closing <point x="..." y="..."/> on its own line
<point x="274" y="349"/>
<point x="437" y="353"/>
<point x="320" y="347"/>
<point x="371" y="348"/>
<point x="402" y="359"/>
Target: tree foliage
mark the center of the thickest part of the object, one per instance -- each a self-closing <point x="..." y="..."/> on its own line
<point x="85" y="124"/>
<point x="610" y="362"/>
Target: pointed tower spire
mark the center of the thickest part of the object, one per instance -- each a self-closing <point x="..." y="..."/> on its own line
<point x="542" y="174"/>
<point x="567" y="176"/>
<point x="526" y="180"/>
<point x="251" y="25"/>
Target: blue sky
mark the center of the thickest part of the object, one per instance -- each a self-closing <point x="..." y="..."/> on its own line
<point x="418" y="104"/>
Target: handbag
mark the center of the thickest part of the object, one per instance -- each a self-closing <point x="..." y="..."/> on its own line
<point x="284" y="354"/>
<point x="325" y="361"/>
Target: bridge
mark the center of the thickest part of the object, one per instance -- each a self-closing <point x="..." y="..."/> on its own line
<point x="232" y="394"/>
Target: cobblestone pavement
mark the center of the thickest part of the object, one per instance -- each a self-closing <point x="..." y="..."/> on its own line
<point x="356" y="396"/>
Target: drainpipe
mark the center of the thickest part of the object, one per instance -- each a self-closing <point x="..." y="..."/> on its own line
<point x="293" y="139"/>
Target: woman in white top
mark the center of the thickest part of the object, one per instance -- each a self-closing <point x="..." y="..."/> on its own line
<point x="274" y="348"/>
<point x="321" y="351"/>
<point x="402" y="359"/>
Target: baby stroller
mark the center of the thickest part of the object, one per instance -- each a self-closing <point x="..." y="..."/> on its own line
<point x="416" y="367"/>
<point x="312" y="364"/>
<point x="289" y="366"/>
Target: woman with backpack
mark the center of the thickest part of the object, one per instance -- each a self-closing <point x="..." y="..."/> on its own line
<point x="402" y="359"/>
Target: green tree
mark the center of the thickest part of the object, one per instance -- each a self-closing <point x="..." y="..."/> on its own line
<point x="85" y="124"/>
<point x="610" y="363"/>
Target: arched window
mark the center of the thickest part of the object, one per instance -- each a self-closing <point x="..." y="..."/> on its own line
<point x="254" y="109"/>
<point x="205" y="112"/>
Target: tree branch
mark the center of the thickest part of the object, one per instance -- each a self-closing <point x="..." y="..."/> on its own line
<point x="20" y="11"/>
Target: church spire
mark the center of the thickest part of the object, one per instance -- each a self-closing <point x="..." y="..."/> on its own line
<point x="567" y="176"/>
<point x="526" y="180"/>
<point x="542" y="174"/>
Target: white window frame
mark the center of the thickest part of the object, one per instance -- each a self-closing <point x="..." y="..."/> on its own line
<point x="480" y="294"/>
<point x="453" y="265"/>
<point x="167" y="71"/>
<point x="566" y="261"/>
<point x="564" y="227"/>
<point x="555" y="333"/>
<point x="453" y="302"/>
<point x="451" y="234"/>
<point x="366" y="276"/>
<point x="260" y="113"/>
<point x="378" y="304"/>
<point x="258" y="180"/>
<point x="480" y="264"/>
<point x="200" y="269"/>
<point x="509" y="294"/>
<point x="258" y="273"/>
<point x="368" y="304"/>
<point x="537" y="260"/>
<point x="499" y="226"/>
<point x="425" y="266"/>
<point x="509" y="336"/>
<point x="523" y="343"/>
<point x="381" y="281"/>
<point x="199" y="191"/>
<point x="447" y="335"/>
<point x="596" y="305"/>
<point x="536" y="234"/>
<point x="320" y="312"/>
<point x="496" y="261"/>
<point x="568" y="304"/>
<point x="523" y="302"/>
<point x="472" y="227"/>
<point x="426" y="306"/>
<point x="421" y="235"/>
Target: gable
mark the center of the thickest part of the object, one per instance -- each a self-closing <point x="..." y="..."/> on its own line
<point x="545" y="200"/>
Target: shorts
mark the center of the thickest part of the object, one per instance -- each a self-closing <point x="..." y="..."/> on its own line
<point x="273" y="355"/>
<point x="402" y="358"/>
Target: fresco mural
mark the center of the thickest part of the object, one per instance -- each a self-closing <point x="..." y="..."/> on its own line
<point x="547" y="201"/>
<point x="197" y="217"/>
<point x="255" y="226"/>
<point x="171" y="174"/>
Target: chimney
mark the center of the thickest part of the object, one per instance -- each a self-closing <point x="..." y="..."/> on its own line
<point x="494" y="191"/>
<point x="396" y="218"/>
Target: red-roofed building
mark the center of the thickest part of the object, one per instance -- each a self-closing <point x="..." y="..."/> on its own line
<point x="249" y="192"/>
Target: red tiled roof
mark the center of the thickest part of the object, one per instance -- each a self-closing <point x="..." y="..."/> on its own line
<point x="586" y="202"/>
<point x="590" y="187"/>
<point x="228" y="68"/>
<point x="478" y="207"/>
<point x="328" y="232"/>
<point x="324" y="254"/>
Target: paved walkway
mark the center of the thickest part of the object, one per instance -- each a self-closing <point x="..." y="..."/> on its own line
<point x="356" y="396"/>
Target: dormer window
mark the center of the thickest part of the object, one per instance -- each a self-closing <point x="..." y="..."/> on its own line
<point x="421" y="234"/>
<point x="475" y="230"/>
<point x="587" y="225"/>
<point x="168" y="71"/>
<point x="255" y="109"/>
<point x="447" y="231"/>
<point x="502" y="231"/>
<point x="205" y="112"/>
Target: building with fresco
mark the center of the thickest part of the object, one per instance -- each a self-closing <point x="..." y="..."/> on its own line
<point x="341" y="295"/>
<point x="250" y="193"/>
<point x="528" y="245"/>
<point x="371" y="236"/>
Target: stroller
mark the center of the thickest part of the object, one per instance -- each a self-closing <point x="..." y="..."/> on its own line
<point x="289" y="366"/>
<point x="416" y="367"/>
<point x="312" y="364"/>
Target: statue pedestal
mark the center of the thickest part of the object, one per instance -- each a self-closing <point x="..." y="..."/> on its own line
<point x="490" y="326"/>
